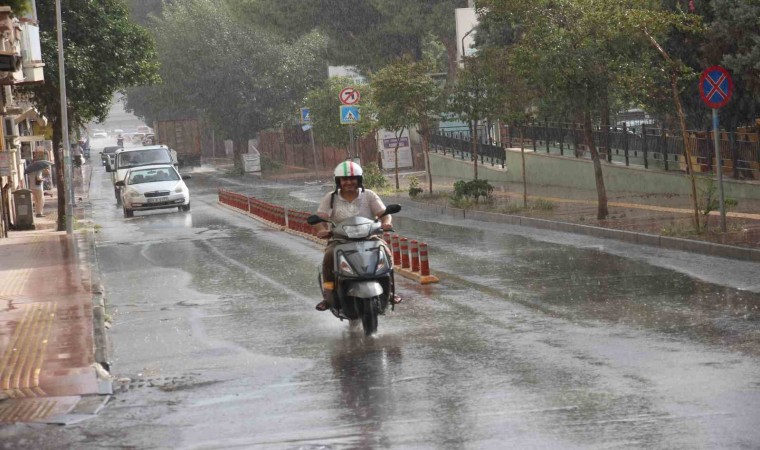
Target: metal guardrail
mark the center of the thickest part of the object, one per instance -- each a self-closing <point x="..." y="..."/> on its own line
<point x="649" y="147"/>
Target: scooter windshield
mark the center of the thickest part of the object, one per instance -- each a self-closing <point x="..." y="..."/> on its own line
<point x="355" y="228"/>
<point x="357" y="231"/>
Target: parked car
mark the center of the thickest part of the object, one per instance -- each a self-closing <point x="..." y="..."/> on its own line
<point x="154" y="187"/>
<point x="108" y="154"/>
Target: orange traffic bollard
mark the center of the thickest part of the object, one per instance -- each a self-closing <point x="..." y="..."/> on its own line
<point x="396" y="251"/>
<point x="404" y="253"/>
<point x="415" y="254"/>
<point x="424" y="265"/>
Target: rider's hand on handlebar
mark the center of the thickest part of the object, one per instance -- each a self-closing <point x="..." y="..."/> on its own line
<point x="323" y="234"/>
<point x="387" y="227"/>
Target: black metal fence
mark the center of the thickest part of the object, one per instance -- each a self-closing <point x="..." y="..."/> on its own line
<point x="644" y="146"/>
<point x="459" y="145"/>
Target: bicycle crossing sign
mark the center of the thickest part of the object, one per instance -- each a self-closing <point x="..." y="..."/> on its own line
<point x="349" y="115"/>
<point x="716" y="87"/>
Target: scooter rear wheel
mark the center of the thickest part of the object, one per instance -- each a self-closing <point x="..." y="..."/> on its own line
<point x="369" y="316"/>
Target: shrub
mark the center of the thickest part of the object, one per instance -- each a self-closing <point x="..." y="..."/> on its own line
<point x="268" y="163"/>
<point x="473" y="189"/>
<point x="373" y="177"/>
<point x="414" y="187"/>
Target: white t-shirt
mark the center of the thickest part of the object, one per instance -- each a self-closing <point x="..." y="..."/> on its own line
<point x="33" y="181"/>
<point x="366" y="204"/>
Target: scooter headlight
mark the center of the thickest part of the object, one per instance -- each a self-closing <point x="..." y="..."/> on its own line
<point x="382" y="261"/>
<point x="357" y="231"/>
<point x="344" y="267"/>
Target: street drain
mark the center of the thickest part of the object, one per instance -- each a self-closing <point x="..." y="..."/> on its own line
<point x="166" y="384"/>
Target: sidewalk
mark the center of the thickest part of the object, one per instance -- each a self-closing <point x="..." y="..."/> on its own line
<point x="47" y="337"/>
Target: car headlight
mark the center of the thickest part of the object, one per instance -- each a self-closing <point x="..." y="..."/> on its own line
<point x="131" y="193"/>
<point x="179" y="189"/>
<point x="344" y="267"/>
<point x="357" y="231"/>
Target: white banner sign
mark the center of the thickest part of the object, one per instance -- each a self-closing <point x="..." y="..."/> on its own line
<point x="386" y="145"/>
<point x="252" y="159"/>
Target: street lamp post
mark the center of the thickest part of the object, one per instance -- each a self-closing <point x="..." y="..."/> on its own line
<point x="67" y="169"/>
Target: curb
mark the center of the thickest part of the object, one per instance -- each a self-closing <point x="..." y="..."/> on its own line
<point x="86" y="244"/>
<point x="665" y="242"/>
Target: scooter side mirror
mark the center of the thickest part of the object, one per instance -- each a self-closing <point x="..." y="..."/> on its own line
<point x="391" y="209"/>
<point x="314" y="219"/>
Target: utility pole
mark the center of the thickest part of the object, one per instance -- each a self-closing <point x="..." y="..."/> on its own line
<point x="65" y="125"/>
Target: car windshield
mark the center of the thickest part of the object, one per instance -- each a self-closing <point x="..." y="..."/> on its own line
<point x="152" y="175"/>
<point x="110" y="149"/>
<point x="144" y="158"/>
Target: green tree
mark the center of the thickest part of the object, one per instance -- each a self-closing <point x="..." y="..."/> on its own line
<point x="406" y="97"/>
<point x="733" y="41"/>
<point x="477" y="95"/>
<point x="104" y="53"/>
<point x="19" y="7"/>
<point x="242" y="80"/>
<point x="366" y="34"/>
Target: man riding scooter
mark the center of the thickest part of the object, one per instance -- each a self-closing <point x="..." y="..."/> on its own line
<point x="349" y="199"/>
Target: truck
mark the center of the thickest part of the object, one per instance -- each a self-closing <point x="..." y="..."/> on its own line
<point x="183" y="136"/>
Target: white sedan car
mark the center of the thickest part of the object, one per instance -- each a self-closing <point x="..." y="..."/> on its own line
<point x="154" y="187"/>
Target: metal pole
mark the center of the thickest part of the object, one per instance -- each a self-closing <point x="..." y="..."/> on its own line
<point x="65" y="125"/>
<point x="351" y="141"/>
<point x="314" y="151"/>
<point x="720" y="170"/>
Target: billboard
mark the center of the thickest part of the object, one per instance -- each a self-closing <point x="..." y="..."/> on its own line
<point x="386" y="145"/>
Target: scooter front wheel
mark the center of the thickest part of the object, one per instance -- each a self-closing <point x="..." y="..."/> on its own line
<point x="369" y="316"/>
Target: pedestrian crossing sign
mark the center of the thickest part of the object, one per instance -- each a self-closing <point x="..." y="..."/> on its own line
<point x="305" y="115"/>
<point x="349" y="115"/>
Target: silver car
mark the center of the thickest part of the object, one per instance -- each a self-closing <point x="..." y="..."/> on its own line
<point x="154" y="187"/>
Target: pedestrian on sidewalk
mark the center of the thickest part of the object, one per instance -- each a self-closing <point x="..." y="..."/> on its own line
<point x="38" y="193"/>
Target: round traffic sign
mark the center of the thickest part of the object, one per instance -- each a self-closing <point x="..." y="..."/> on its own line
<point x="349" y="96"/>
<point x="716" y="87"/>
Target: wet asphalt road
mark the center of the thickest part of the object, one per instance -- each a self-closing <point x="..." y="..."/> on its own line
<point x="533" y="339"/>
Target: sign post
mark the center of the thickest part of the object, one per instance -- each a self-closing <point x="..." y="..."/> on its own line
<point x="715" y="88"/>
<point x="349" y="114"/>
<point x="306" y="122"/>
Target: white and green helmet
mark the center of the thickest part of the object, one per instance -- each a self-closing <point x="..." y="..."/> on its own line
<point x="348" y="169"/>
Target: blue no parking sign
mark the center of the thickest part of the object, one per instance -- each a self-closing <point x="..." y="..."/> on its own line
<point x="716" y="87"/>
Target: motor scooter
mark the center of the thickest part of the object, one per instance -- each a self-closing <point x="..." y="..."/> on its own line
<point x="364" y="284"/>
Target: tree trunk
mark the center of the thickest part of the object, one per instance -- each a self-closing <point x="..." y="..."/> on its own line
<point x="239" y="146"/>
<point x="59" y="175"/>
<point x="682" y="122"/>
<point x="687" y="148"/>
<point x="601" y="192"/>
<point x="426" y="151"/>
<point x="395" y="154"/>
<point x="452" y="54"/>
<point x="475" y="147"/>
<point x="525" y="176"/>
